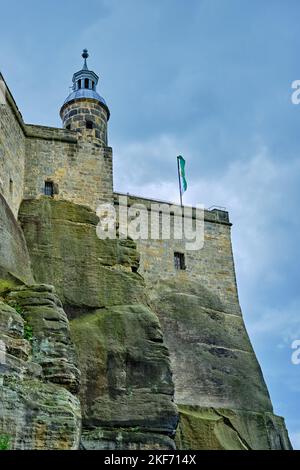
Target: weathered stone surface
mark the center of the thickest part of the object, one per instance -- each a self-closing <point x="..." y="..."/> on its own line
<point x="12" y="153"/>
<point x="80" y="168"/>
<point x="37" y="409"/>
<point x="14" y="259"/>
<point x="66" y="252"/>
<point x="37" y="362"/>
<point x="52" y="346"/>
<point x="126" y="378"/>
<point x="120" y="439"/>
<point x="210" y="264"/>
<point x="37" y="415"/>
<point x="224" y="429"/>
<point x="75" y="115"/>
<point x="11" y="322"/>
<point x="214" y="368"/>
<point x="212" y="358"/>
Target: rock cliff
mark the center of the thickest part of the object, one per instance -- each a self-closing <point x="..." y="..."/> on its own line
<point x="39" y="376"/>
<point x="126" y="381"/>
<point x="219" y="387"/>
<point x="92" y="357"/>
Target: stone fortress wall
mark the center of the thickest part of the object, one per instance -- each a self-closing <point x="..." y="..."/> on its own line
<point x="12" y="150"/>
<point x="80" y="168"/>
<point x="212" y="265"/>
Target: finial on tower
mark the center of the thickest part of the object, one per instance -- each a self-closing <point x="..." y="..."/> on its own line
<point x="85" y="56"/>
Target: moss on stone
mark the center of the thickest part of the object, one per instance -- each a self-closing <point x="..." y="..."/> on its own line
<point x="225" y="429"/>
<point x="126" y="380"/>
<point x="6" y="285"/>
<point x="85" y="270"/>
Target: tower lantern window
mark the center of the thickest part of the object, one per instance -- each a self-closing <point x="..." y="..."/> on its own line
<point x="86" y="83"/>
<point x="79" y="84"/>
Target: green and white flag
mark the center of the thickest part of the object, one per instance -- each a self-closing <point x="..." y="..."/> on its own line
<point x="181" y="161"/>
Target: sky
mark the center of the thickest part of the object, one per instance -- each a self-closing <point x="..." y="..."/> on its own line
<point x="207" y="79"/>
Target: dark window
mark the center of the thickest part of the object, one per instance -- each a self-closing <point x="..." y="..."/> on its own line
<point x="86" y="83"/>
<point x="89" y="125"/>
<point x="68" y="127"/>
<point x="49" y="188"/>
<point x="79" y="84"/>
<point x="93" y="85"/>
<point x="179" y="261"/>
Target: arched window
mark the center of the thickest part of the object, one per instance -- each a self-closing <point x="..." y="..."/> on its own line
<point x="86" y="83"/>
<point x="79" y="84"/>
<point x="49" y="188"/>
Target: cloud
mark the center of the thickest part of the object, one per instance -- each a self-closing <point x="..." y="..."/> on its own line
<point x="282" y="322"/>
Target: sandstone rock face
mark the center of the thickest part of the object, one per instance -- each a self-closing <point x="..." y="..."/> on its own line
<point x="52" y="348"/>
<point x="126" y="384"/>
<point x="65" y="251"/>
<point x="120" y="439"/>
<point x="14" y="258"/>
<point x="39" y="375"/>
<point x="219" y="387"/>
<point x="213" y="361"/>
<point x="225" y="429"/>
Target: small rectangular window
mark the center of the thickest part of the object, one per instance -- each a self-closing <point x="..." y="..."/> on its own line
<point x="89" y="124"/>
<point x="179" y="261"/>
<point x="86" y="83"/>
<point x="49" y="188"/>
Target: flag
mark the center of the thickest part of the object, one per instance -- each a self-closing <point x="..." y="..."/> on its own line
<point x="182" y="173"/>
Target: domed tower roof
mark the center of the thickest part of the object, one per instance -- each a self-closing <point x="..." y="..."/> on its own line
<point x="84" y="86"/>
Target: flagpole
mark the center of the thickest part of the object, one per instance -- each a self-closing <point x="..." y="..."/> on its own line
<point x="179" y="181"/>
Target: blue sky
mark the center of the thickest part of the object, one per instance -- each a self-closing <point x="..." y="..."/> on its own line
<point x="208" y="79"/>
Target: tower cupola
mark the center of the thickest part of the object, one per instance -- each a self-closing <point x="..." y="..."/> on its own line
<point x="84" y="110"/>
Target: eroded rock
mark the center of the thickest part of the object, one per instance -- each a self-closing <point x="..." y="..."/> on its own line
<point x="38" y="410"/>
<point x="126" y="383"/>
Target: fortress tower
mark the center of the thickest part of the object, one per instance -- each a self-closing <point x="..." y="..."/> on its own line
<point x="73" y="163"/>
<point x="85" y="110"/>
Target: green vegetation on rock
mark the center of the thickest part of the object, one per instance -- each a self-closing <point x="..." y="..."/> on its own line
<point x="28" y="330"/>
<point x="4" y="442"/>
